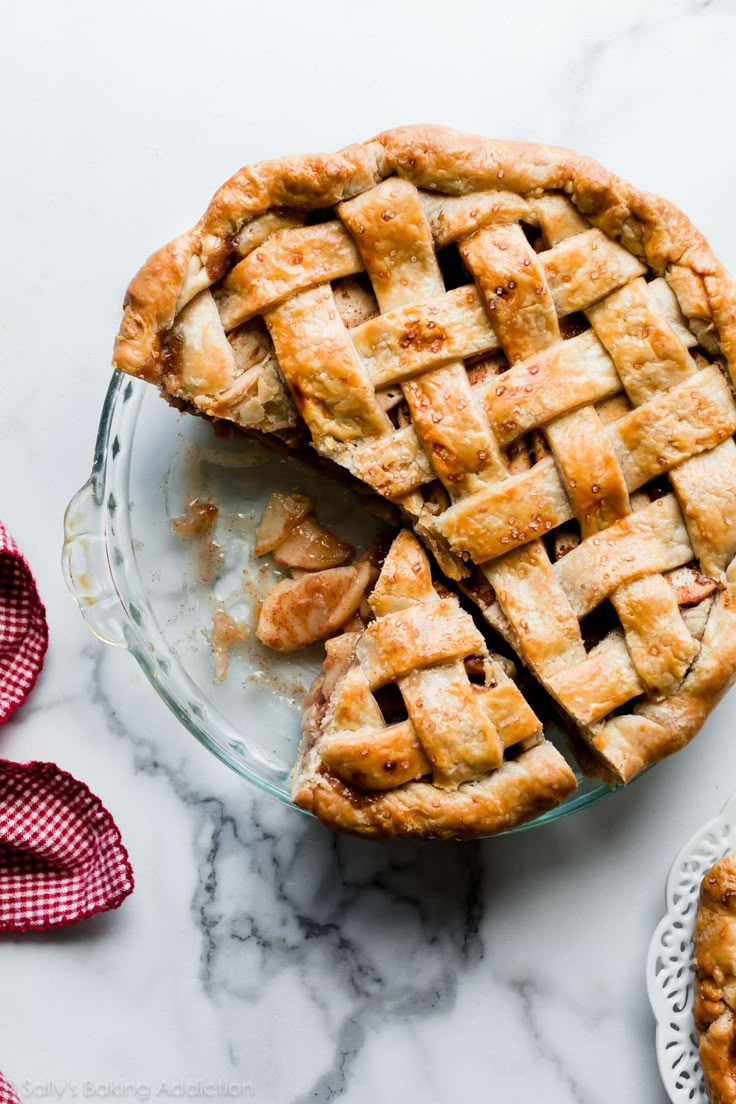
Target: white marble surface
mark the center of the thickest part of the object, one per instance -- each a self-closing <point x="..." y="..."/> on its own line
<point x="258" y="951"/>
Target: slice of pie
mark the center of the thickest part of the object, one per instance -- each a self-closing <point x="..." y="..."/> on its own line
<point x="529" y="357"/>
<point x="714" y="1007"/>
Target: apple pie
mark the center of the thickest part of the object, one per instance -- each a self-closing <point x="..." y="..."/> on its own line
<point x="533" y="361"/>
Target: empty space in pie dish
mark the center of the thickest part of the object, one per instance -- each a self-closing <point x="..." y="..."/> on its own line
<point x="176" y="461"/>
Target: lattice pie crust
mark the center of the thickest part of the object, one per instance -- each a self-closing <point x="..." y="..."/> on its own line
<point x="534" y="361"/>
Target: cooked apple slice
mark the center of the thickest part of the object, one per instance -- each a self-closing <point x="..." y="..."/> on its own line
<point x="196" y="521"/>
<point x="690" y="584"/>
<point x="226" y="633"/>
<point x="281" y="514"/>
<point x="311" y="546"/>
<point x="299" y="612"/>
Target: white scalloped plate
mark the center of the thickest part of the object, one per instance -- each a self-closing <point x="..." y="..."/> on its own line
<point x="670" y="958"/>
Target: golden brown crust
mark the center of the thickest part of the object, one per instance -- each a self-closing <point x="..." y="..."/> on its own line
<point x="435" y="158"/>
<point x="715" y="980"/>
<point x="442" y="772"/>
<point x="657" y="729"/>
<point x="517" y="792"/>
<point x="521" y="789"/>
<point x="306" y="182"/>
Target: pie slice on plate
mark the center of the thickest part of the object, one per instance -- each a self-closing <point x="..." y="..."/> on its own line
<point x="714" y="1007"/>
<point x="528" y="356"/>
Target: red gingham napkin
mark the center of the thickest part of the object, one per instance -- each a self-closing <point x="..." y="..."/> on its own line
<point x="24" y="634"/>
<point x="61" y="856"/>
<point x="61" y="853"/>
<point x="7" y="1093"/>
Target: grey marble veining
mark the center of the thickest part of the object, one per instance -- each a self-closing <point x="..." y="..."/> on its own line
<point x="260" y="956"/>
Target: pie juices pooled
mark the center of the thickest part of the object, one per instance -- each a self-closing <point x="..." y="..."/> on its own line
<point x="533" y="361"/>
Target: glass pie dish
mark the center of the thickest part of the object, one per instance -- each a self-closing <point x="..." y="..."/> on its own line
<point x="141" y="588"/>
